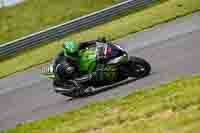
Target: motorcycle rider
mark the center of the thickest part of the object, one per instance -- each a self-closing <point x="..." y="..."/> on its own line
<point x="66" y="62"/>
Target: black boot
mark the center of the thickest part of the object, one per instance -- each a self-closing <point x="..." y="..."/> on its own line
<point x="84" y="79"/>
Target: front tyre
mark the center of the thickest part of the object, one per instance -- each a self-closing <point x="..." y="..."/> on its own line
<point x="138" y="67"/>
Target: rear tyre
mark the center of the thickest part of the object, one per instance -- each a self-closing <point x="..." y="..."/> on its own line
<point x="71" y="90"/>
<point x="74" y="94"/>
<point x="138" y="67"/>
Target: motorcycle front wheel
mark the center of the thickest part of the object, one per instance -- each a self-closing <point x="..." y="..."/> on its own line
<point x="138" y="67"/>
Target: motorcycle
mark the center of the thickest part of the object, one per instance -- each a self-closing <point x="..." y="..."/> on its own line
<point x="115" y="70"/>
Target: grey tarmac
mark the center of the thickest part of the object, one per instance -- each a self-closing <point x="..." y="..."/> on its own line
<point x="173" y="49"/>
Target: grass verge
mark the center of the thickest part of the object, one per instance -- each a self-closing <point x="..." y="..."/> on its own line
<point x="34" y="15"/>
<point x="133" y="22"/>
<point x="172" y="107"/>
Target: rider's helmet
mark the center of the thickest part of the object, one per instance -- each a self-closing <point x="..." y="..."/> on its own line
<point x="102" y="39"/>
<point x="70" y="49"/>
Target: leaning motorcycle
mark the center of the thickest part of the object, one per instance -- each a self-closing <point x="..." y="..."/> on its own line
<point x="115" y="70"/>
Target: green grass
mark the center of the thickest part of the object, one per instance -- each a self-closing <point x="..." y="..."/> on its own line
<point x="172" y="107"/>
<point x="131" y="23"/>
<point x="35" y="15"/>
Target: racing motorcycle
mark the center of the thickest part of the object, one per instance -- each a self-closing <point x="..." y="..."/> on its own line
<point x="115" y="70"/>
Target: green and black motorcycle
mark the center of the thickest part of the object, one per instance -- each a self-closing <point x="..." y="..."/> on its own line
<point x="114" y="71"/>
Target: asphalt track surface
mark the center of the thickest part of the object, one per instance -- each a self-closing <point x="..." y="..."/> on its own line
<point x="173" y="49"/>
